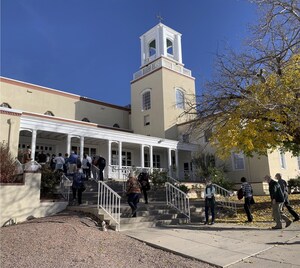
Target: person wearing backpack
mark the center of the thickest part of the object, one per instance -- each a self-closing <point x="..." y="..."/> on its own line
<point x="209" y="201"/>
<point x="101" y="163"/>
<point x="248" y="197"/>
<point x="143" y="179"/>
<point x="284" y="189"/>
<point x="78" y="186"/>
<point x="277" y="199"/>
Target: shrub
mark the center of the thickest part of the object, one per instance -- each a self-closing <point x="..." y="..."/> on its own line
<point x="218" y="177"/>
<point x="184" y="188"/>
<point x="49" y="181"/>
<point x="159" y="178"/>
<point x="294" y="184"/>
<point x="8" y="168"/>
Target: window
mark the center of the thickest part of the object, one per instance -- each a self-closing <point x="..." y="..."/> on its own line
<point x="146" y="160"/>
<point x="298" y="159"/>
<point x="282" y="159"/>
<point x="169" y="47"/>
<point x="207" y="135"/>
<point x="146" y="101"/>
<point x="179" y="99"/>
<point x="126" y="158"/>
<point x="238" y="160"/>
<point x="5" y="105"/>
<point x="85" y="120"/>
<point x="156" y="161"/>
<point x="146" y="120"/>
<point x="49" y="113"/>
<point x="185" y="138"/>
<point x="152" y="48"/>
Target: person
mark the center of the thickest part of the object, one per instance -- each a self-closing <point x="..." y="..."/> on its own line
<point x="247" y="193"/>
<point x="42" y="158"/>
<point x="101" y="163"/>
<point x="59" y="162"/>
<point x="78" y="184"/>
<point x="284" y="189"/>
<point x="73" y="162"/>
<point x="133" y="190"/>
<point x="143" y="179"/>
<point x="66" y="164"/>
<point x="86" y="166"/>
<point x="209" y="201"/>
<point x="27" y="156"/>
<point x="277" y="199"/>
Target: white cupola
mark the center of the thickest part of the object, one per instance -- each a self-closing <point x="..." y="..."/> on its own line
<point x="160" y="41"/>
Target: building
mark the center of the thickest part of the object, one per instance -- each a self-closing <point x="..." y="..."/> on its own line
<point x="149" y="134"/>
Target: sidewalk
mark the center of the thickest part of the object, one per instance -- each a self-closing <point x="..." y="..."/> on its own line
<point x="228" y="245"/>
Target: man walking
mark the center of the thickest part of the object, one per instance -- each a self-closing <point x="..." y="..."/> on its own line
<point x="277" y="200"/>
<point x="284" y="189"/>
<point x="247" y="192"/>
<point x="101" y="164"/>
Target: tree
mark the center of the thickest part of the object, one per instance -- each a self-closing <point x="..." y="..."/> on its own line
<point x="253" y="103"/>
<point x="8" y="168"/>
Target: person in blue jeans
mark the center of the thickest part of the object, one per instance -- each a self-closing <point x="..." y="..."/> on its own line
<point x="133" y="189"/>
<point x="209" y="201"/>
<point x="247" y="192"/>
<point x="78" y="184"/>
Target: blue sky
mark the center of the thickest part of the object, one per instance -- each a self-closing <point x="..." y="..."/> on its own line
<point x="92" y="47"/>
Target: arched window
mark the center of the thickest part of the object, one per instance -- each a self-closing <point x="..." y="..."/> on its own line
<point x="152" y="48"/>
<point x="179" y="99"/>
<point x="49" y="113"/>
<point x="5" y="105"/>
<point x="116" y="125"/>
<point x="169" y="47"/>
<point x="85" y="119"/>
<point x="146" y="100"/>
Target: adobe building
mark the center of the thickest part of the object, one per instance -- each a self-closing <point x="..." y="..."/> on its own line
<point x="148" y="134"/>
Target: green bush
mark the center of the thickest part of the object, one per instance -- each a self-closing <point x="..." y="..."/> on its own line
<point x="159" y="178"/>
<point x="49" y="182"/>
<point x="218" y="177"/>
<point x="294" y="183"/>
<point x="184" y="188"/>
<point x="8" y="168"/>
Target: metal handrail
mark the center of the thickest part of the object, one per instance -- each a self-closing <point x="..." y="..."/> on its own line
<point x="178" y="199"/>
<point x="65" y="186"/>
<point x="110" y="202"/>
<point x="173" y="181"/>
<point x="95" y="172"/>
<point x="222" y="196"/>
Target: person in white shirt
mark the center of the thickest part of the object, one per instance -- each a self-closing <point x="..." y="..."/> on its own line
<point x="209" y="201"/>
<point x="59" y="162"/>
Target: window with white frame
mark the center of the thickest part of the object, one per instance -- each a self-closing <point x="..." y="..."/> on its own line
<point x="146" y="100"/>
<point x="207" y="135"/>
<point x="156" y="161"/>
<point x="238" y="161"/>
<point x="126" y="158"/>
<point x="186" y="138"/>
<point x="282" y="159"/>
<point x="179" y="99"/>
<point x="169" y="46"/>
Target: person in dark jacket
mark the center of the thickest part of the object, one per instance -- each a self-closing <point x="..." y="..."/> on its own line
<point x="277" y="199"/>
<point x="248" y="196"/>
<point x="78" y="184"/>
<point x="143" y="179"/>
<point x="101" y="163"/>
<point x="284" y="189"/>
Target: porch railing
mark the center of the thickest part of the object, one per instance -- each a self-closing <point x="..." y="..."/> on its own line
<point x="222" y="196"/>
<point x="95" y="172"/>
<point x="110" y="202"/>
<point x="178" y="199"/>
<point x="65" y="187"/>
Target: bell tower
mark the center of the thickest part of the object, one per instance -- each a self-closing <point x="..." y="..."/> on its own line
<point x="162" y="89"/>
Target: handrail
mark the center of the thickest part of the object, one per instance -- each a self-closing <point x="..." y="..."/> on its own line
<point x="65" y="186"/>
<point x="222" y="196"/>
<point x="95" y="172"/>
<point x="110" y="202"/>
<point x="178" y="199"/>
<point x="173" y="181"/>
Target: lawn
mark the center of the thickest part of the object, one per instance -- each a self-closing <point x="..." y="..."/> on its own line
<point x="261" y="211"/>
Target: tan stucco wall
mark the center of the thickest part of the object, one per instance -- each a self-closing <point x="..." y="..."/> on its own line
<point x="9" y="132"/>
<point x="37" y="99"/>
<point x="18" y="202"/>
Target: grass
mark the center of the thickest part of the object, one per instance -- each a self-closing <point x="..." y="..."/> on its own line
<point x="261" y="211"/>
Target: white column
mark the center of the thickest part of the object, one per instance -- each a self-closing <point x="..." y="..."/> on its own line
<point x="151" y="157"/>
<point x="109" y="160"/>
<point x="69" y="137"/>
<point x="81" y="147"/>
<point x="142" y="156"/>
<point x="176" y="163"/>
<point x="170" y="161"/>
<point x="33" y="144"/>
<point x="178" y="48"/>
<point x="143" y="51"/>
<point x="120" y="160"/>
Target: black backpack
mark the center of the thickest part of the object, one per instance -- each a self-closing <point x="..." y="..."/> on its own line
<point x="101" y="162"/>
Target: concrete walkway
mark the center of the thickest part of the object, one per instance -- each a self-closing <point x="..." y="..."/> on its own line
<point x="228" y="245"/>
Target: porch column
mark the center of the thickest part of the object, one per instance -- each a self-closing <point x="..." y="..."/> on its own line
<point x="170" y="162"/>
<point x="33" y="144"/>
<point x="151" y="157"/>
<point x="176" y="163"/>
<point x="69" y="144"/>
<point x="109" y="159"/>
<point x="142" y="156"/>
<point x="120" y="160"/>
<point x="81" y="147"/>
